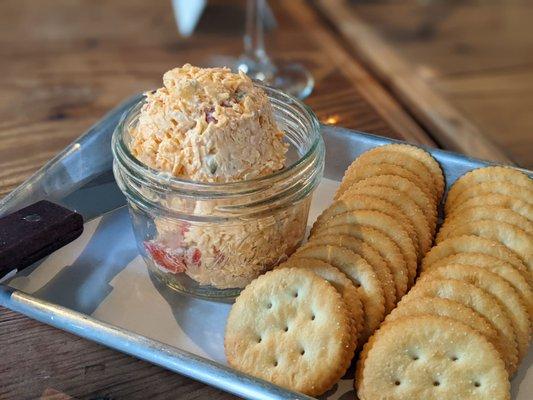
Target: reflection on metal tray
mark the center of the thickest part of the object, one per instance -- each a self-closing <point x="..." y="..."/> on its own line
<point x="98" y="288"/>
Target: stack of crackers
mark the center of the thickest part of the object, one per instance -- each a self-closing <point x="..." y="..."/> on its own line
<point x="465" y="326"/>
<point x="299" y="325"/>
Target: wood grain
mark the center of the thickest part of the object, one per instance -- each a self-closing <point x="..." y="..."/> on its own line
<point x="463" y="68"/>
<point x="64" y="64"/>
<point x="449" y="127"/>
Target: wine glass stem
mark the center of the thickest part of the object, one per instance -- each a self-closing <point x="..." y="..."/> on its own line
<point x="254" y="38"/>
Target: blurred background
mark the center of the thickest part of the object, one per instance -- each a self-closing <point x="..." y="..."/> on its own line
<point x="455" y="74"/>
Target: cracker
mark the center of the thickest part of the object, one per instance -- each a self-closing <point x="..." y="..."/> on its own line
<point x="498" y="200"/>
<point x="388" y="226"/>
<point x="471" y="244"/>
<point x="445" y="308"/>
<point x="363" y="202"/>
<point x="517" y="278"/>
<point x="491" y="213"/>
<point x="370" y="255"/>
<point x="380" y="156"/>
<point x="339" y="281"/>
<point x="424" y="157"/>
<point x="405" y="186"/>
<point x="430" y="358"/>
<point x="509" y="235"/>
<point x="380" y="242"/>
<point x="488" y="174"/>
<point x="404" y="204"/>
<point x="481" y="302"/>
<point x="361" y="274"/>
<point x="360" y="172"/>
<point x="486" y="188"/>
<point x="507" y="297"/>
<point x="292" y="328"/>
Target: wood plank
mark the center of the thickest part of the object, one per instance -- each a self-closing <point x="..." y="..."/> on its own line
<point x="446" y="124"/>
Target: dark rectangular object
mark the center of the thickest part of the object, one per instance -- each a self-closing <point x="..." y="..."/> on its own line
<point x="34" y="232"/>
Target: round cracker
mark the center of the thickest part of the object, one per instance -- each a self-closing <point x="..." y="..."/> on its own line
<point x="292" y="328"/>
<point x="430" y="357"/>
<point x="509" y="235"/>
<point x="504" y="293"/>
<point x="361" y="274"/>
<point x="380" y="242"/>
<point x="405" y="186"/>
<point x="353" y="175"/>
<point x="485" y="188"/>
<point x="517" y="278"/>
<point x="370" y="255"/>
<point x="403" y="203"/>
<point x="387" y="225"/>
<point x="379" y="156"/>
<point x="491" y="213"/>
<point x="363" y="202"/>
<point x="424" y="157"/>
<point x="481" y="302"/>
<point x="498" y="200"/>
<point x="471" y="244"/>
<point x="487" y="174"/>
<point x="445" y="308"/>
<point x="339" y="281"/>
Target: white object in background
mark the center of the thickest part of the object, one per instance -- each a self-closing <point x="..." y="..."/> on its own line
<point x="187" y="14"/>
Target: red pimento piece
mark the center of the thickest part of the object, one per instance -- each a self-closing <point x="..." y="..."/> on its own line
<point x="196" y="256"/>
<point x="173" y="263"/>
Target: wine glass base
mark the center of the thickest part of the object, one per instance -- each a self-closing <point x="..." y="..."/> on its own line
<point x="289" y="77"/>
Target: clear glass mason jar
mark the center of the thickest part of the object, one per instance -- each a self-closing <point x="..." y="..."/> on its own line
<point x="211" y="239"/>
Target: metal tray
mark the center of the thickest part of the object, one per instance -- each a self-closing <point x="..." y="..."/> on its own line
<point x="82" y="288"/>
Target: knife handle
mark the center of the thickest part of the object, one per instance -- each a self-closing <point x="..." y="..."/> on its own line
<point x="34" y="232"/>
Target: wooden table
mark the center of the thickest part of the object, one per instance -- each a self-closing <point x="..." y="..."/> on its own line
<point x="64" y="64"/>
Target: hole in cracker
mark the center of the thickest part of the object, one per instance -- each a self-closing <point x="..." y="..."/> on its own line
<point x="295" y="294"/>
<point x="477" y="384"/>
<point x="397" y="383"/>
<point x="260" y="339"/>
<point x="275" y="363"/>
<point x="286" y="329"/>
<point x="302" y="352"/>
<point x="313" y="317"/>
<point x="455" y="358"/>
<point x="269" y="305"/>
<point x="436" y="383"/>
<point x="415" y="358"/>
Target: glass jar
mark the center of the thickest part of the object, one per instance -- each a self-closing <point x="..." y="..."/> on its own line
<point x="211" y="239"/>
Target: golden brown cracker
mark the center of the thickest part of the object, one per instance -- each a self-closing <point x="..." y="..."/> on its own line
<point x="405" y="204"/>
<point x="487" y="175"/>
<point x="504" y="293"/>
<point x="517" y="278"/>
<point x="509" y="235"/>
<point x="491" y="213"/>
<point x="292" y="328"/>
<point x="388" y="226"/>
<point x="497" y="200"/>
<point x="425" y="203"/>
<point x="471" y="244"/>
<point x="486" y="188"/>
<point x="481" y="302"/>
<point x="380" y="242"/>
<point x="339" y="281"/>
<point x="431" y="358"/>
<point x="356" y="173"/>
<point x="380" y="156"/>
<point x="370" y="255"/>
<point x="362" y="275"/>
<point x="363" y="202"/>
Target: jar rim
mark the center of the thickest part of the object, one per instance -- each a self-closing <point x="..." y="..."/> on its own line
<point x="119" y="147"/>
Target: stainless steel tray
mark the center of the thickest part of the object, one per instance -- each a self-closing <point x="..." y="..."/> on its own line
<point x="81" y="179"/>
